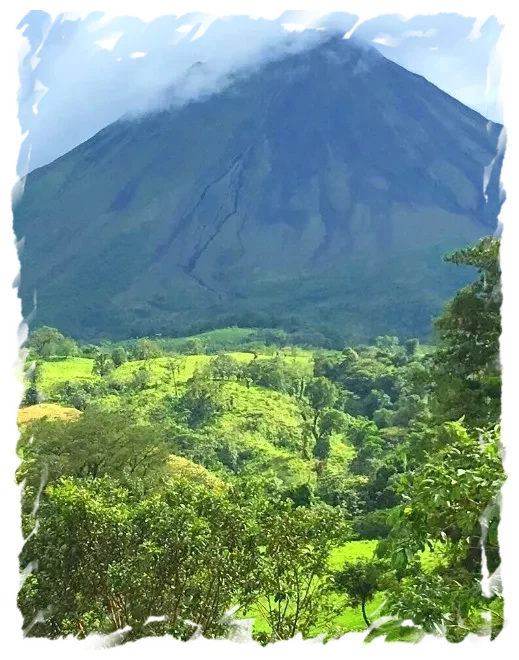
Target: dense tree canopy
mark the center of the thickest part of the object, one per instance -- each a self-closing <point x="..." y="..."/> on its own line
<point x="186" y="477"/>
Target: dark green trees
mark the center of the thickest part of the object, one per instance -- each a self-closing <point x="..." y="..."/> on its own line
<point x="467" y="366"/>
<point x="32" y="395"/>
<point x="361" y="580"/>
<point x="449" y="494"/>
<point x="46" y="342"/>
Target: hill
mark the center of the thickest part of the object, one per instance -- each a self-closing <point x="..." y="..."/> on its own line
<point x="319" y="191"/>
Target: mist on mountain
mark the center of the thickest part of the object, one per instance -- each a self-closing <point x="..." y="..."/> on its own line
<point x="319" y="191"/>
<point x="80" y="74"/>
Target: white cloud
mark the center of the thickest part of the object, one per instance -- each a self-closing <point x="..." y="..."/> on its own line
<point x="393" y="42"/>
<point x="201" y="30"/>
<point x="39" y="92"/>
<point x="476" y="29"/>
<point x="148" y="81"/>
<point x="109" y="42"/>
<point x="293" y="27"/>
<point x="386" y="40"/>
<point x="420" y="33"/>
<point x="35" y="60"/>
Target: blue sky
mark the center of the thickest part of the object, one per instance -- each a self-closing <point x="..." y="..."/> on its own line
<point x="78" y="75"/>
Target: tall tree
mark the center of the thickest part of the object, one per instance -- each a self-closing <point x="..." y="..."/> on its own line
<point x="467" y="369"/>
<point x="320" y="418"/>
<point x="450" y="496"/>
<point x="361" y="580"/>
<point x="45" y="342"/>
<point x="293" y="580"/>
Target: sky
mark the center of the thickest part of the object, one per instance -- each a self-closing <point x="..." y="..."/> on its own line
<point x="80" y="73"/>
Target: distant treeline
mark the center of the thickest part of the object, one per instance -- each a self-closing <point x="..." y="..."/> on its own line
<point x="46" y="342"/>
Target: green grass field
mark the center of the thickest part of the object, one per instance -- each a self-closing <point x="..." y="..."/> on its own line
<point x="352" y="551"/>
<point x="261" y="422"/>
<point x="218" y="339"/>
<point x="79" y="368"/>
<point x="350" y="619"/>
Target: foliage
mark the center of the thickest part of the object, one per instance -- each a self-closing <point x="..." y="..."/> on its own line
<point x="276" y="374"/>
<point x="361" y="581"/>
<point x="77" y="394"/>
<point x="119" y="356"/>
<point x="98" y="443"/>
<point x="151" y="453"/>
<point x="444" y="502"/>
<point x="295" y="582"/>
<point x="224" y="367"/>
<point x="146" y="349"/>
<point x="103" y="365"/>
<point x="46" y="342"/>
<point x="466" y="364"/>
<point x="32" y="394"/>
<point x="187" y="553"/>
<point x="200" y="402"/>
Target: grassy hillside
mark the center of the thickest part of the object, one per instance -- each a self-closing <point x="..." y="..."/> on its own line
<point x="259" y="427"/>
<point x="266" y="477"/>
<point x="79" y="368"/>
<point x="29" y="414"/>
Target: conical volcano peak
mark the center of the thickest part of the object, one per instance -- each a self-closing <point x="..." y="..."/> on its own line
<point x="323" y="185"/>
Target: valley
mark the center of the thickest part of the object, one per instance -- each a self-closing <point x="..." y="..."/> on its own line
<point x="301" y="487"/>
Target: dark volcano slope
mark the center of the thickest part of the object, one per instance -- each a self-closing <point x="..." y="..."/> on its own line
<point x="321" y="191"/>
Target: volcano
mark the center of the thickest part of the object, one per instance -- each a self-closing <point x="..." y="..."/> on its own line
<point x="319" y="191"/>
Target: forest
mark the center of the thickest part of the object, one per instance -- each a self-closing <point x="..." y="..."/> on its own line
<point x="179" y="484"/>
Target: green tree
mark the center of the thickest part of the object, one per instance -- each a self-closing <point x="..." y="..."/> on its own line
<point x="444" y="501"/>
<point x="361" y="580"/>
<point x="375" y="400"/>
<point x="224" y="367"/>
<point x="99" y="443"/>
<point x="411" y="346"/>
<point x="321" y="394"/>
<point x="336" y="485"/>
<point x="322" y="448"/>
<point x="369" y="446"/>
<point x="383" y="418"/>
<point x="141" y="379"/>
<point x="467" y="369"/>
<point x="275" y="374"/>
<point x="45" y="342"/>
<point x="321" y="420"/>
<point x="119" y="356"/>
<point x="146" y="349"/>
<point x="82" y="529"/>
<point x="194" y="346"/>
<point x="78" y="394"/>
<point x="33" y="377"/>
<point x="103" y="365"/>
<point x="293" y="582"/>
<point x="174" y="367"/>
<point x="68" y="347"/>
<point x="387" y="343"/>
<point x="110" y="557"/>
<point x="201" y="401"/>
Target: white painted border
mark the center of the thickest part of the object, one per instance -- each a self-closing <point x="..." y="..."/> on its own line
<point x="12" y="643"/>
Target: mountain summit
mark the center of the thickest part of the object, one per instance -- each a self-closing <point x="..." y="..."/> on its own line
<point x="319" y="191"/>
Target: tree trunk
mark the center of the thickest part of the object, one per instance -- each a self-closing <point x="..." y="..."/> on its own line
<point x="364" y="616"/>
